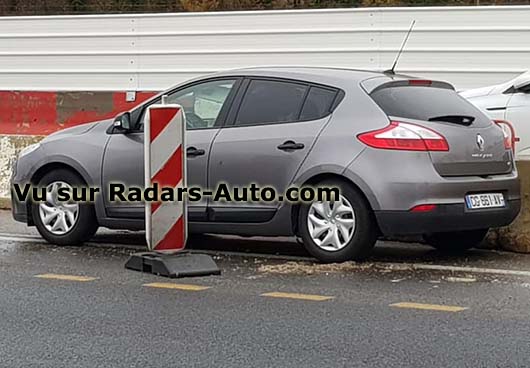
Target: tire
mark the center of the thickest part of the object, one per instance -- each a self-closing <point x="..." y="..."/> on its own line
<point x="85" y="224"/>
<point x="457" y="241"/>
<point x="363" y="234"/>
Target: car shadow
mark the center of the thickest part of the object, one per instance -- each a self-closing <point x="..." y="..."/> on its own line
<point x="384" y="251"/>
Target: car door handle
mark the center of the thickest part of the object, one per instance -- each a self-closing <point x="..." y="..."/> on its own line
<point x="290" y="146"/>
<point x="193" y="152"/>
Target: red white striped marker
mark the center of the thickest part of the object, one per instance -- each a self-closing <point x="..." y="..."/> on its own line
<point x="165" y="164"/>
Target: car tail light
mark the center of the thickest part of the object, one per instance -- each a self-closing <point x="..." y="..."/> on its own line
<point x="423" y="208"/>
<point x="509" y="134"/>
<point x="419" y="82"/>
<point x="406" y="137"/>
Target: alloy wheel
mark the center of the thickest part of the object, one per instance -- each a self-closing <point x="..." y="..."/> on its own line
<point x="331" y="224"/>
<point x="56" y="216"/>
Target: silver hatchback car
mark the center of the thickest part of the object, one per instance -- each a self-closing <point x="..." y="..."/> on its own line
<point x="410" y="156"/>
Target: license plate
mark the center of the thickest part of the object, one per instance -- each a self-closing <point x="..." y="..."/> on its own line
<point x="484" y="200"/>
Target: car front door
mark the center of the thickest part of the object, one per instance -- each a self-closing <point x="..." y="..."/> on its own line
<point x="270" y="130"/>
<point x="205" y="104"/>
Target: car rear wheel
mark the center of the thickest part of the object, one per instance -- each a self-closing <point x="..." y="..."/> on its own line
<point x="63" y="223"/>
<point x="338" y="231"/>
<point x="457" y="241"/>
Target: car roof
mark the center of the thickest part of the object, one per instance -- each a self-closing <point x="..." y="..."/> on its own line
<point x="344" y="78"/>
<point x="305" y="70"/>
<point x="341" y="77"/>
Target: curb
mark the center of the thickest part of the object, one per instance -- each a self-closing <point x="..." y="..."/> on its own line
<point x="310" y="262"/>
<point x="516" y="236"/>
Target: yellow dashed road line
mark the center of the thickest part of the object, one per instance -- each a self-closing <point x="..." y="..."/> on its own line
<point x="170" y="285"/>
<point x="315" y="298"/>
<point x="54" y="276"/>
<point x="434" y="307"/>
<point x="275" y="294"/>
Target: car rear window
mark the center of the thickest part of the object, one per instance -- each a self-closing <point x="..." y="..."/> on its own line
<point x="428" y="104"/>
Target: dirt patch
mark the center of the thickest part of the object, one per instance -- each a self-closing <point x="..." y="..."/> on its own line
<point x="72" y="103"/>
<point x="308" y="268"/>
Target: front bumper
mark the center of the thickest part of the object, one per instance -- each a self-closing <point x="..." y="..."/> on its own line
<point x="19" y="209"/>
<point x="22" y="170"/>
<point x="445" y="218"/>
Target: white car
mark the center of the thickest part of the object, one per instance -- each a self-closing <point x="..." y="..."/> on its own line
<point x="508" y="101"/>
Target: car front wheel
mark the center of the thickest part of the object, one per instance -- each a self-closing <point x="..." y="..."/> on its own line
<point x="341" y="230"/>
<point x="63" y="223"/>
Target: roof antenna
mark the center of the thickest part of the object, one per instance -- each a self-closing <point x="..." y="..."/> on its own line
<point x="391" y="71"/>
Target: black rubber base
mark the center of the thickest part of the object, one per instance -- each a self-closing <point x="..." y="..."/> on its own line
<point x="173" y="265"/>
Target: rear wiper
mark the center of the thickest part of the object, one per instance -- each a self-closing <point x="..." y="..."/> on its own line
<point x="455" y="119"/>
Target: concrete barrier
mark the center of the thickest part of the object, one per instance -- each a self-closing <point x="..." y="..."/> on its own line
<point x="10" y="146"/>
<point x="516" y="237"/>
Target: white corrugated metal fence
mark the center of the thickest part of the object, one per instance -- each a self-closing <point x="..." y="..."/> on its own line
<point x="468" y="46"/>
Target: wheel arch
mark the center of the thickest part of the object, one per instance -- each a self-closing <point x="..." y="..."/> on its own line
<point x="39" y="174"/>
<point x="41" y="171"/>
<point x="342" y="177"/>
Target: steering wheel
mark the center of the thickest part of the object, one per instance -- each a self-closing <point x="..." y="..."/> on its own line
<point x="194" y="121"/>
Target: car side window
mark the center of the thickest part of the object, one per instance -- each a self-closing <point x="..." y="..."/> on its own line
<point x="269" y="101"/>
<point x="318" y="103"/>
<point x="201" y="102"/>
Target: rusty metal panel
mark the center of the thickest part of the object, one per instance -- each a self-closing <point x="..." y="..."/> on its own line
<point x="467" y="46"/>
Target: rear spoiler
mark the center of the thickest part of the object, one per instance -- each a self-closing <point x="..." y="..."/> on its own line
<point x="375" y="84"/>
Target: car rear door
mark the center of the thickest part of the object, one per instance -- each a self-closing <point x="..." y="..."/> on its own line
<point x="271" y="128"/>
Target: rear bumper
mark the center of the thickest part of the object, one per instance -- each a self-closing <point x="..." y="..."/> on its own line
<point x="447" y="217"/>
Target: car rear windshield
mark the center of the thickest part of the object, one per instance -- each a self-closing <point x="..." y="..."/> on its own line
<point x="428" y="104"/>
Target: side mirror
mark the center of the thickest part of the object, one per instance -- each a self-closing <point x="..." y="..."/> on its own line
<point x="123" y="121"/>
<point x="522" y="84"/>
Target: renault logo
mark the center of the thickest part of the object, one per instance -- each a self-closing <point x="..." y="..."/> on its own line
<point x="480" y="143"/>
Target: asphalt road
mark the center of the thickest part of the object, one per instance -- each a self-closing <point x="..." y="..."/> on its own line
<point x="79" y="307"/>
